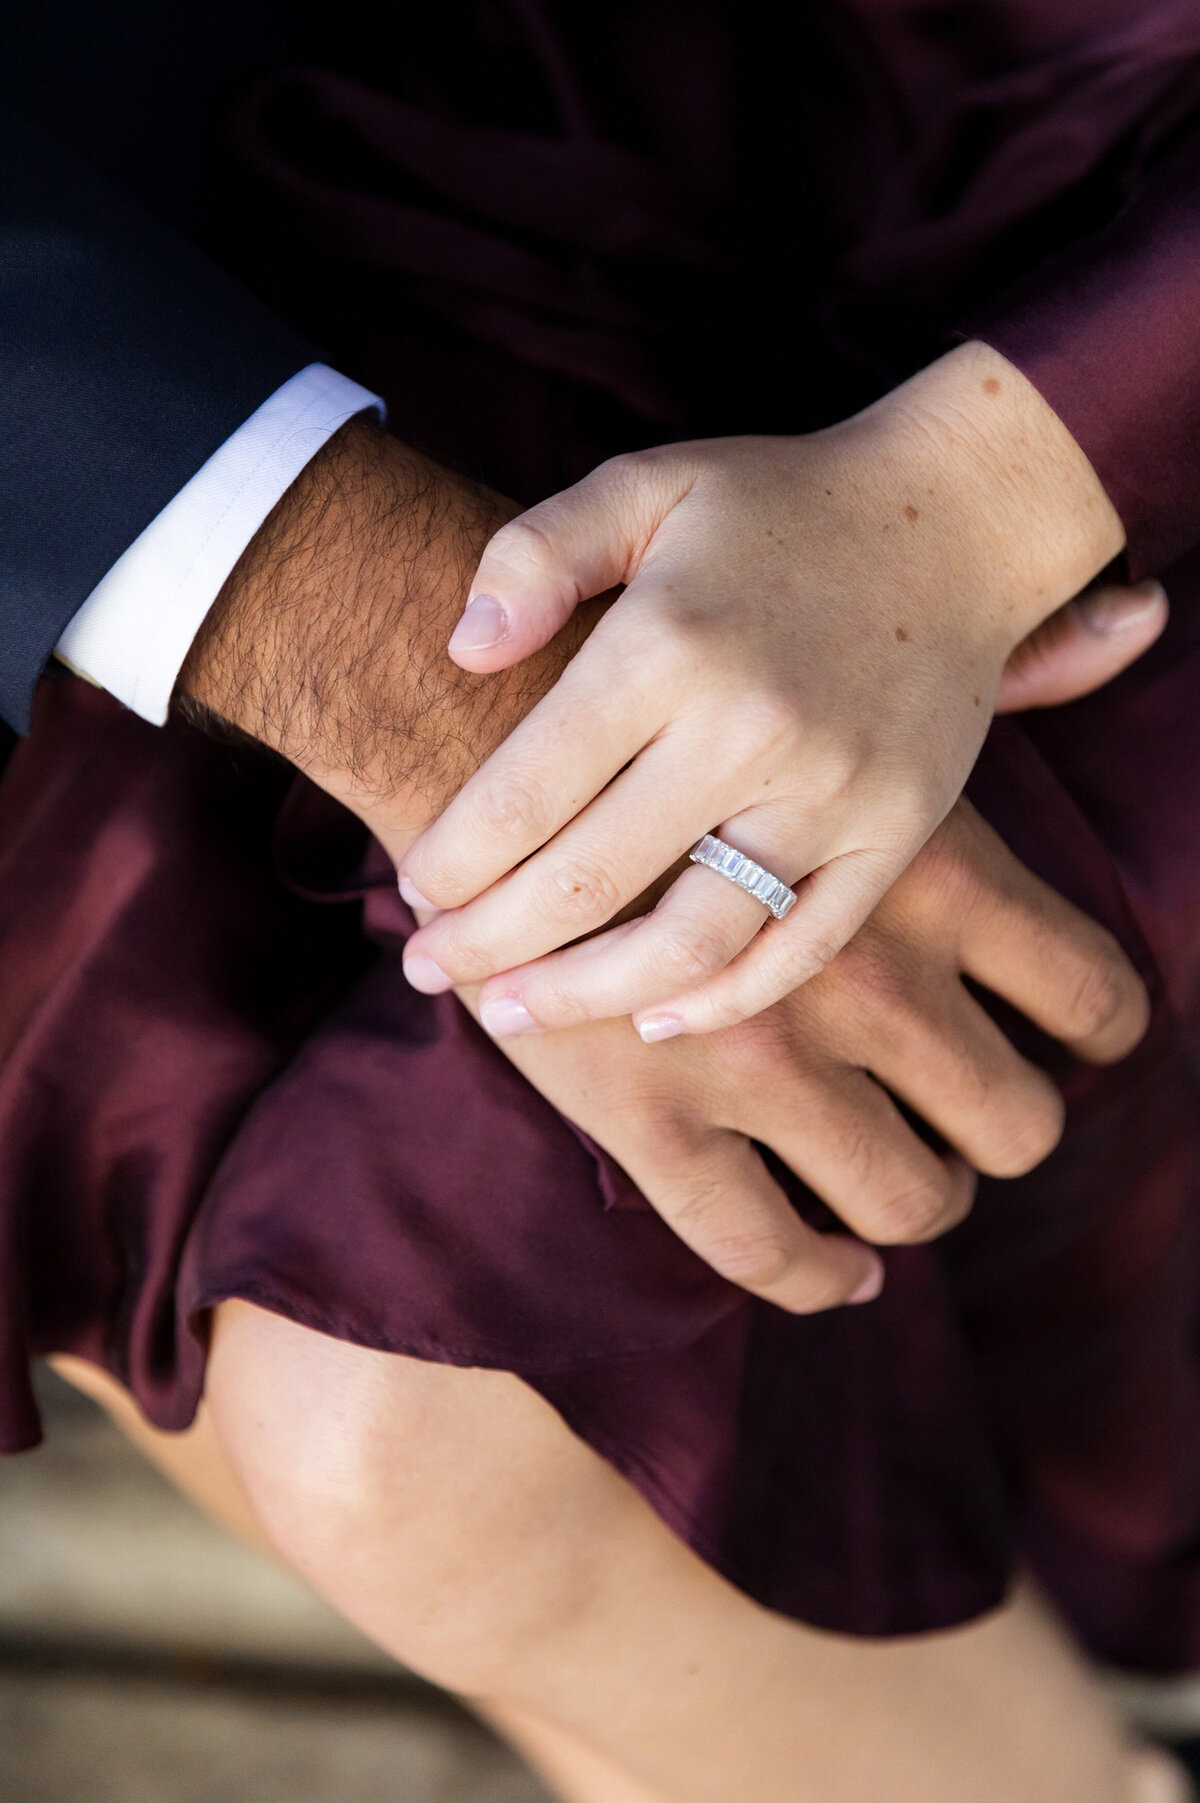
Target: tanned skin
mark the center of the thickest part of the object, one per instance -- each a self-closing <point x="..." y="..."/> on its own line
<point x="328" y="641"/>
<point x="328" y="644"/>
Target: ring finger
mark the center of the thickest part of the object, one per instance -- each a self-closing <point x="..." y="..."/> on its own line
<point x="575" y="885"/>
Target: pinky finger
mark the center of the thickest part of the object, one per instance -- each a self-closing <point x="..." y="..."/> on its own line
<point x="833" y="903"/>
<point x="715" y="1192"/>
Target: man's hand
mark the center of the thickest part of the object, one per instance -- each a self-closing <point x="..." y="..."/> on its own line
<point x="807" y="1076"/>
<point x="327" y="644"/>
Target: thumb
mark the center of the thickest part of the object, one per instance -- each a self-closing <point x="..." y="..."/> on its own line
<point x="537" y="569"/>
<point x="1082" y="646"/>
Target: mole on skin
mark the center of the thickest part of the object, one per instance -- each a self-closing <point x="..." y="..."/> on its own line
<point x="901" y="635"/>
<point x="991" y="385"/>
<point x="911" y="512"/>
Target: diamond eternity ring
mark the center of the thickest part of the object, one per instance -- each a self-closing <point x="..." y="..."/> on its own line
<point x="728" y="862"/>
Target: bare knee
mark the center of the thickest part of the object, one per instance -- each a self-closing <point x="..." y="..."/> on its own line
<point x="449" y="1513"/>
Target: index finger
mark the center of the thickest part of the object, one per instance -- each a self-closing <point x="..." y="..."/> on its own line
<point x="568" y="747"/>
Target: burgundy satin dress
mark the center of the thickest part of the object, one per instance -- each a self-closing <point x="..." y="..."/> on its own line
<point x="546" y="233"/>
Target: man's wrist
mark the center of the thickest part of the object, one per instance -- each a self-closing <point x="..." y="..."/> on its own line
<point x="328" y="642"/>
<point x="338" y="602"/>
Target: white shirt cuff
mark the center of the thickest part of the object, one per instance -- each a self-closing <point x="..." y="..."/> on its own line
<point x="134" y="631"/>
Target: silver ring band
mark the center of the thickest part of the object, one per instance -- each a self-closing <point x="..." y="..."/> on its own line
<point x="728" y="862"/>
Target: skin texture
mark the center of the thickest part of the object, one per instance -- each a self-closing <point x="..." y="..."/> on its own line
<point x="809" y="1077"/>
<point x="328" y="645"/>
<point x="453" y="1517"/>
<point x="450" y="1513"/>
<point x="805" y="660"/>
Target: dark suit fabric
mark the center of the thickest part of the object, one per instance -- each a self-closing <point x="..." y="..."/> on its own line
<point x="126" y="358"/>
<point x="1016" y="172"/>
<point x="127" y="355"/>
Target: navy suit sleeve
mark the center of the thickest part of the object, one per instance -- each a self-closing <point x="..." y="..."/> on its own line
<point x="126" y="358"/>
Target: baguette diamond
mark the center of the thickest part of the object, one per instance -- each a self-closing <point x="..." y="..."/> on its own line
<point x="728" y="862"/>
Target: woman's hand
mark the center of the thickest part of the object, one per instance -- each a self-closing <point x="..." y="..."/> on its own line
<point x="806" y="1077"/>
<point x="805" y="660"/>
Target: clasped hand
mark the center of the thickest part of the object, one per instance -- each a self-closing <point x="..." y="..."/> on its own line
<point x="813" y="1076"/>
<point x="390" y="732"/>
<point x="805" y="659"/>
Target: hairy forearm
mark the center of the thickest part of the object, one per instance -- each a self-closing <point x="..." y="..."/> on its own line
<point x="327" y="643"/>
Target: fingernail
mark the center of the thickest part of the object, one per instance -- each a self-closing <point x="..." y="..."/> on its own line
<point x="1115" y="612"/>
<point x="484" y="623"/>
<point x="412" y="895"/>
<point x="659" y="1026"/>
<point x="427" y="976"/>
<point x="503" y="1015"/>
<point x="871" y="1284"/>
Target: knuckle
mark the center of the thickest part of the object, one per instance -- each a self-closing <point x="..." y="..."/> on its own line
<point x="657" y="473"/>
<point x="914" y="1213"/>
<point x="818" y="1289"/>
<point x="665" y="1134"/>
<point x="514" y="808"/>
<point x="869" y="980"/>
<point x="522" y="543"/>
<point x="686" y="956"/>
<point x="754" y="1050"/>
<point x="679" y="637"/>
<point x="847" y="1137"/>
<point x="581" y="892"/>
<point x="752" y="1259"/>
<point x="1101" y="995"/>
<point x="944" y="883"/>
<point x="1028" y="1138"/>
<point x="764" y="728"/>
<point x="843" y="767"/>
<point x="625" y="467"/>
<point x="750" y="1252"/>
<point x="463" y="958"/>
<point x="435" y="879"/>
<point x="816" y="955"/>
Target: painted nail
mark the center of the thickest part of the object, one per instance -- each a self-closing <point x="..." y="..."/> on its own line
<point x="1116" y="611"/>
<point x="484" y="623"/>
<point x="503" y="1015"/>
<point x="412" y="895"/>
<point x="659" y="1026"/>
<point x="427" y="976"/>
<point x="871" y="1284"/>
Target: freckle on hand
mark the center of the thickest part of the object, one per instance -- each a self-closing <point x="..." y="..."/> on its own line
<point x="902" y="635"/>
<point x="991" y="385"/>
<point x="911" y="512"/>
<point x="976" y="700"/>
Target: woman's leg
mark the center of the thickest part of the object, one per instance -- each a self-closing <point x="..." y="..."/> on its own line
<point x="452" y="1515"/>
<point x="195" y="1462"/>
<point x="455" y="1519"/>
